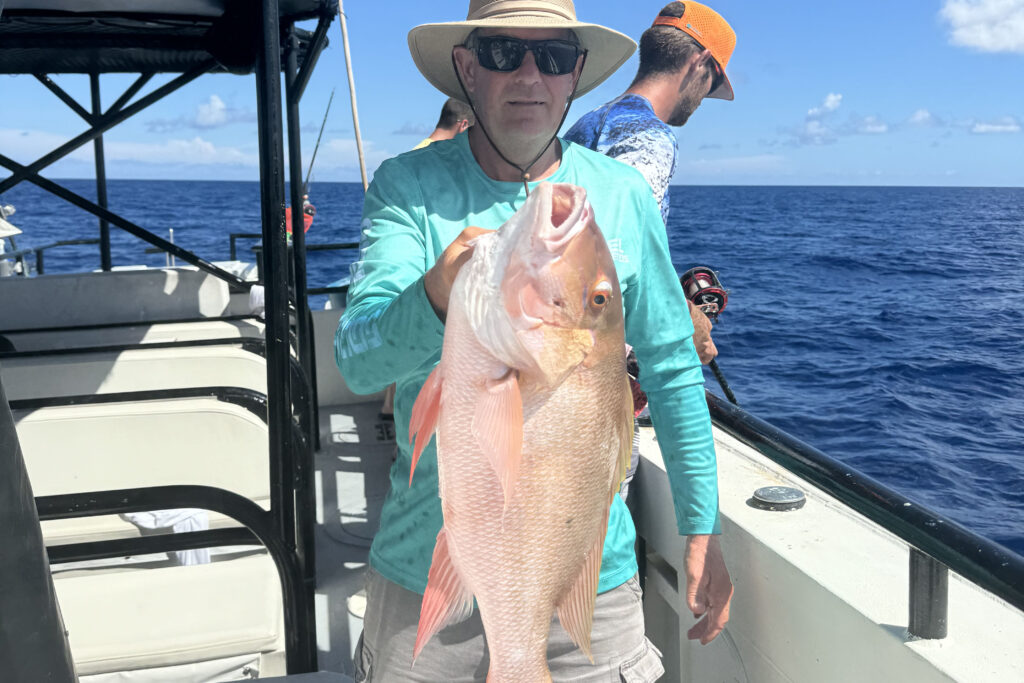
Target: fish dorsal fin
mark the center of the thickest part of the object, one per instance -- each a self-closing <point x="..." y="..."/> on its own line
<point x="446" y="600"/>
<point x="576" y="610"/>
<point x="425" y="413"/>
<point x="498" y="428"/>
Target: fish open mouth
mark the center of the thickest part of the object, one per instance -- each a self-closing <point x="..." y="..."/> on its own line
<point x="569" y="214"/>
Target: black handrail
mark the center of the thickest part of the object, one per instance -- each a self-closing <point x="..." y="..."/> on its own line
<point x="132" y="323"/>
<point x="262" y="524"/>
<point x="235" y="236"/>
<point x="254" y="345"/>
<point x="148" y="545"/>
<point x="39" y="251"/>
<point x="988" y="564"/>
<point x="252" y="401"/>
<point x="337" y="289"/>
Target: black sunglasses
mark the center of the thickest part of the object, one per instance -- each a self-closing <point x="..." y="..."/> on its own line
<point x="503" y="53"/>
<point x="716" y="75"/>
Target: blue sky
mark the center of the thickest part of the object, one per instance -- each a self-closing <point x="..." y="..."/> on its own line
<point x="928" y="92"/>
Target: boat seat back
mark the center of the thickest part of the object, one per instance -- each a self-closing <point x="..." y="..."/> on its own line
<point x="174" y="623"/>
<point x="106" y="372"/>
<point x="116" y="297"/>
<point x="200" y="441"/>
<point x="331" y="388"/>
<point x="71" y="338"/>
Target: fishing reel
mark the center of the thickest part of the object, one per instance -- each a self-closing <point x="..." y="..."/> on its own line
<point x="703" y="288"/>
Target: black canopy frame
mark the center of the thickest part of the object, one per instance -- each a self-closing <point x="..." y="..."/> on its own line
<point x="192" y="38"/>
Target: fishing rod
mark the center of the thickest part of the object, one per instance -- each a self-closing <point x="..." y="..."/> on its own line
<point x="705" y="291"/>
<point x="305" y="185"/>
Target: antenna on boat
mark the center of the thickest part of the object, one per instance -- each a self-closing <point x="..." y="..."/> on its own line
<point x="352" y="95"/>
<point x="305" y="185"/>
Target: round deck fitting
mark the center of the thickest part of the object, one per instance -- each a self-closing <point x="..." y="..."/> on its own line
<point x="778" y="498"/>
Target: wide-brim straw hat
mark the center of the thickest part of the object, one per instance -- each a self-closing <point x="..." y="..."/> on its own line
<point x="431" y="44"/>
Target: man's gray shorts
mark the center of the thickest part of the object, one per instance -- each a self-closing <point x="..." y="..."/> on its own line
<point x="458" y="653"/>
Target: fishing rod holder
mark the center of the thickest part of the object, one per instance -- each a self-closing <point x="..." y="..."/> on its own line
<point x="929" y="596"/>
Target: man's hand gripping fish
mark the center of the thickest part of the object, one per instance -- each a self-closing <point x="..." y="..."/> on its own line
<point x="533" y="415"/>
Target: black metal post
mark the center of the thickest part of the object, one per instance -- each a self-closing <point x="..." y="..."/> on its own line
<point x="929" y="596"/>
<point x="313" y="52"/>
<point x="64" y="97"/>
<point x="33" y="643"/>
<point x="40" y="262"/>
<point x="305" y="332"/>
<point x="301" y="649"/>
<point x="101" y="173"/>
<point x="305" y="500"/>
<point x="130" y="92"/>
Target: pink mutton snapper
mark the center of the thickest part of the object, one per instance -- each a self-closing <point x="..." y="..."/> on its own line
<point x="533" y="415"/>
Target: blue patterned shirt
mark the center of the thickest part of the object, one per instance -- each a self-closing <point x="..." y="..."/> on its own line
<point x="628" y="130"/>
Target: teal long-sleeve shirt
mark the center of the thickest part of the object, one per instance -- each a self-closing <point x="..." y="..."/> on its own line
<point x="417" y="204"/>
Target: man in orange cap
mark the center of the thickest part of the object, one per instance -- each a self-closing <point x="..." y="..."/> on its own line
<point x="683" y="56"/>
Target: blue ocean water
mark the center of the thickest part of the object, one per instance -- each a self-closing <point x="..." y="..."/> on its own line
<point x="883" y="326"/>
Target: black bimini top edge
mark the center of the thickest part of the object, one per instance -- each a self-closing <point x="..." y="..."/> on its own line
<point x="137" y="36"/>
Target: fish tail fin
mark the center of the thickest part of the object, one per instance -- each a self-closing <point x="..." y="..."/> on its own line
<point x="576" y="610"/>
<point x="446" y="600"/>
<point x="425" y="413"/>
<point x="498" y="428"/>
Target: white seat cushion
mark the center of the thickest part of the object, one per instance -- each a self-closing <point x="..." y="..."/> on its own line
<point x="141" y="618"/>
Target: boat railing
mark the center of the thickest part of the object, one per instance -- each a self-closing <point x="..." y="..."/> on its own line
<point x="258" y="251"/>
<point x="937" y="543"/>
<point x="39" y="252"/>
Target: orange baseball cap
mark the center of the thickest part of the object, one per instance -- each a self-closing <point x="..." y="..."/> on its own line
<point x="711" y="32"/>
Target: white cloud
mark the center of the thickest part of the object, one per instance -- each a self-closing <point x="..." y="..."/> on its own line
<point x="1007" y="124"/>
<point x="831" y="103"/>
<point x="196" y="151"/>
<point x="339" y="158"/>
<point x="212" y="113"/>
<point x="815" y="133"/>
<point x="987" y="25"/>
<point x="922" y="117"/>
<point x="871" y="125"/>
<point x="336" y="160"/>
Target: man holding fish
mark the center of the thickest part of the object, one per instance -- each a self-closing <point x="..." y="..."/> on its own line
<point x="529" y="402"/>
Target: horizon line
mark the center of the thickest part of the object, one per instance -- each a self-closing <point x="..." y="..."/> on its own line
<point x="358" y="182"/>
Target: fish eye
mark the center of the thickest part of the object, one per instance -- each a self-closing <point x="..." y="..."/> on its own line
<point x="601" y="294"/>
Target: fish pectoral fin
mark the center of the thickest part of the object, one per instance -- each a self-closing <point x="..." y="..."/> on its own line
<point x="498" y="428"/>
<point x="576" y="610"/>
<point x="425" y="413"/>
<point x="625" y="441"/>
<point x="446" y="600"/>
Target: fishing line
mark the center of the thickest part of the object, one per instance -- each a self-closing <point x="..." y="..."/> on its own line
<point x="305" y="185"/>
<point x="523" y="172"/>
